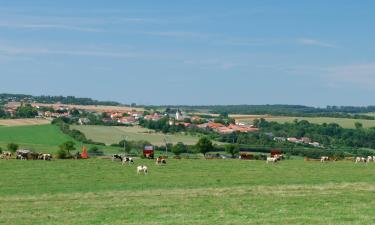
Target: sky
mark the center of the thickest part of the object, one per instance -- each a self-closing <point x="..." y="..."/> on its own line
<point x="191" y="52"/>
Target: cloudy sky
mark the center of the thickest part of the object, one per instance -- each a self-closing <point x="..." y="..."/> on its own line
<point x="191" y="52"/>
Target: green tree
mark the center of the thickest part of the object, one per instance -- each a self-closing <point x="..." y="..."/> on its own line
<point x="179" y="148"/>
<point x="204" y="145"/>
<point x="67" y="146"/>
<point x="126" y="146"/>
<point x="12" y="147"/>
<point x="358" y="125"/>
<point x="26" y="111"/>
<point x="232" y="149"/>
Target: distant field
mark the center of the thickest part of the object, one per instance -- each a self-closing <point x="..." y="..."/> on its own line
<point x="111" y="135"/>
<point x="23" y="122"/>
<point x="98" y="108"/>
<point x="39" y="137"/>
<point x="99" y="191"/>
<point x="346" y="123"/>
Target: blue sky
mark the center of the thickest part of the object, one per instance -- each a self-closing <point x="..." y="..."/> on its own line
<point x="191" y="52"/>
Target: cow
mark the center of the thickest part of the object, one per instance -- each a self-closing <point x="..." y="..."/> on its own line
<point x="324" y="159"/>
<point x="142" y="169"/>
<point x="127" y="160"/>
<point x="46" y="157"/>
<point x="23" y="154"/>
<point x="117" y="156"/>
<point x="160" y="160"/>
<point x="360" y="159"/>
<point x="271" y="160"/>
<point x="6" y="155"/>
<point x="278" y="157"/>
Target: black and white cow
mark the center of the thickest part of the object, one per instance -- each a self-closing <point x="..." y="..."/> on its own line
<point x="118" y="156"/>
<point x="127" y="160"/>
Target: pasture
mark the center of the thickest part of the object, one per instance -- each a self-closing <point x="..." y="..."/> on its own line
<point x="45" y="138"/>
<point x="344" y="122"/>
<point x="111" y="135"/>
<point x="23" y="122"/>
<point x="99" y="191"/>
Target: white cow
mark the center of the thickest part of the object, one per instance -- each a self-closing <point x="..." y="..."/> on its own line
<point x="271" y="160"/>
<point x="142" y="169"/>
<point x="324" y="158"/>
<point x="360" y="159"/>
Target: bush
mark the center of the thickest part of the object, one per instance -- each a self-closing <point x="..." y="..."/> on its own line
<point x="62" y="154"/>
<point x="12" y="147"/>
<point x="95" y="151"/>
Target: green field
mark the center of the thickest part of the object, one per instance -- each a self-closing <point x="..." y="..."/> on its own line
<point x="99" y="191"/>
<point x="39" y="137"/>
<point x="346" y="123"/>
<point x="111" y="135"/>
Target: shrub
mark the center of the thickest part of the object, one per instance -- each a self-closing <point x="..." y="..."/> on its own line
<point x="62" y="154"/>
<point x="12" y="147"/>
<point x="95" y="151"/>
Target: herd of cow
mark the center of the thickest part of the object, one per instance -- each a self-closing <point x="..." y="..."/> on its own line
<point x="26" y="155"/>
<point x="140" y="169"/>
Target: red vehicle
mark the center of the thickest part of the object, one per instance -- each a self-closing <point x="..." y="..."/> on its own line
<point x="148" y="152"/>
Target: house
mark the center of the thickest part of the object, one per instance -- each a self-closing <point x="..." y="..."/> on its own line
<point x="83" y="121"/>
<point x="154" y="117"/>
<point x="305" y="140"/>
<point x="315" y="144"/>
<point x="127" y="120"/>
<point x="293" y="140"/>
<point x="279" y="139"/>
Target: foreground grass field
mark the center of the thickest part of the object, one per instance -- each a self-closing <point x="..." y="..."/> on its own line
<point x="99" y="191"/>
<point x="346" y="123"/>
<point x="111" y="135"/>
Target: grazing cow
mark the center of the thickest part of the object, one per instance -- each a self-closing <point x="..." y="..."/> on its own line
<point x="271" y="160"/>
<point x="117" y="156"/>
<point x="324" y="159"/>
<point x="23" y="154"/>
<point x="142" y="169"/>
<point x="278" y="157"/>
<point x="46" y="157"/>
<point x="127" y="160"/>
<point x="6" y="155"/>
<point x="160" y="160"/>
<point x="360" y="159"/>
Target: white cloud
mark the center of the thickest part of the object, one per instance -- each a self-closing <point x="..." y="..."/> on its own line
<point x="314" y="42"/>
<point x="13" y="51"/>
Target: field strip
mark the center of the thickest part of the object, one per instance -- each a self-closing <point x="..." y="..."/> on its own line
<point x="197" y="192"/>
<point x="23" y="122"/>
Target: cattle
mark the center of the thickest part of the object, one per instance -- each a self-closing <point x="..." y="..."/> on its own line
<point x="6" y="155"/>
<point x="324" y="159"/>
<point x="117" y="156"/>
<point x="127" y="160"/>
<point x="23" y="154"/>
<point x="278" y="157"/>
<point x="370" y="159"/>
<point x="160" y="160"/>
<point x="46" y="157"/>
<point x="360" y="159"/>
<point x="142" y="169"/>
<point x="271" y="160"/>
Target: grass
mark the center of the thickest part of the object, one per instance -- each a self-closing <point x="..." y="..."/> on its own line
<point x="99" y="191"/>
<point x="39" y="137"/>
<point x="344" y="122"/>
<point x="111" y="135"/>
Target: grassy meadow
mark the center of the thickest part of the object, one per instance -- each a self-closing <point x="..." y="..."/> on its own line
<point x="111" y="135"/>
<point x="99" y="191"/>
<point x="39" y="137"/>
